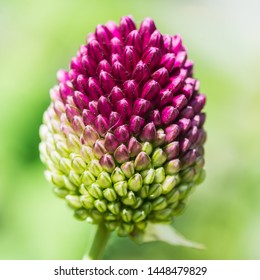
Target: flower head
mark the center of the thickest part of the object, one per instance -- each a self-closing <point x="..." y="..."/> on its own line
<point x="123" y="137"/>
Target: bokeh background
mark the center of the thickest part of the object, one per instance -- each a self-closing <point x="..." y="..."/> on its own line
<point x="222" y="37"/>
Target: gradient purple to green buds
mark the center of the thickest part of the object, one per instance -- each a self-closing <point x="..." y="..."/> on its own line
<point x="123" y="137"/>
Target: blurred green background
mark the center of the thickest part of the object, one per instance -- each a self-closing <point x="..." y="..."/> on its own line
<point x="222" y="37"/>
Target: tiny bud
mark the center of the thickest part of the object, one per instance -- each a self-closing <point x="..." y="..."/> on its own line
<point x="168" y="61"/>
<point x="116" y="46"/>
<point x="160" y="138"/>
<point x="89" y="65"/>
<point x="136" y="124"/>
<point x="95" y="191"/>
<point x="172" y="196"/>
<point x="122" y="133"/>
<point x="126" y="215"/>
<point x="180" y="59"/>
<point x="189" y="158"/>
<point x="99" y="149"/>
<point x="147" y="208"/>
<point x="156" y="40"/>
<point x="103" y="35"/>
<point x="119" y="72"/>
<point x="148" y="176"/>
<point x="172" y="150"/>
<point x="126" y="26"/>
<point x="184" y="145"/>
<point x="130" y="58"/>
<point x="100" y="205"/>
<point x="107" y="163"/>
<point x="104" y="106"/>
<point x="104" y="180"/>
<point x="87" y="178"/>
<point x="155" y="191"/>
<point x="129" y="199"/>
<point x="184" y="124"/>
<point x="139" y="216"/>
<point x="115" y="120"/>
<point x="73" y="143"/>
<point x="134" y="147"/>
<point x="131" y="89"/>
<point x="94" y="167"/>
<point x="187" y="175"/>
<point x="152" y="57"/>
<point x="78" y="165"/>
<point x="163" y="214"/>
<point x="121" y="188"/>
<point x="179" y="101"/>
<point x="65" y="165"/>
<point x="110" y="194"/>
<point x="87" y="201"/>
<point x="121" y="154"/>
<point x="115" y="95"/>
<point x="169" y="183"/>
<point x="87" y="153"/>
<point x="110" y="142"/>
<point x="114" y="208"/>
<point x="124" y="109"/>
<point x="146" y="29"/>
<point x="88" y="117"/>
<point x="158" y="157"/>
<point x="172" y="132"/>
<point x="138" y="202"/>
<point x="141" y="225"/>
<point x="169" y="114"/>
<point x="128" y="169"/>
<point x="81" y="214"/>
<point x="106" y="81"/>
<point x="111" y="226"/>
<point x="134" y="39"/>
<point x="141" y="107"/>
<point x="73" y="201"/>
<point x="117" y="175"/>
<point x="148" y="132"/>
<point x="172" y="167"/>
<point x="147" y="148"/>
<point x="161" y="76"/>
<point x="159" y="203"/>
<point x="135" y="182"/>
<point x="150" y="90"/>
<point x="61" y="192"/>
<point x="90" y="135"/>
<point x="159" y="175"/>
<point x="144" y="191"/>
<point x="95" y="51"/>
<point x="142" y="161"/>
<point x="80" y="100"/>
<point x="141" y="73"/>
<point x="101" y="124"/>
<point x="187" y="112"/>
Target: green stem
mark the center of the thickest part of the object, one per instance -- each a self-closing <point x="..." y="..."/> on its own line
<point x="99" y="243"/>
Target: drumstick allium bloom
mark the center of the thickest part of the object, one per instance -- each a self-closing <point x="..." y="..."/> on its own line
<point x="123" y="137"/>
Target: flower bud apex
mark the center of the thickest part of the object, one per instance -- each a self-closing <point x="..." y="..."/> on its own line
<point x="155" y="191"/>
<point x="110" y="194"/>
<point x="135" y="182"/>
<point x="73" y="201"/>
<point x="104" y="180"/>
<point x="172" y="166"/>
<point x="127" y="215"/>
<point x="142" y="161"/>
<point x="114" y="207"/>
<point x="121" y="154"/>
<point x="159" y="157"/>
<point x="95" y="191"/>
<point x="117" y="175"/>
<point x="159" y="203"/>
<point x="87" y="201"/>
<point x="129" y="199"/>
<point x="121" y="188"/>
<point x="128" y="169"/>
<point x="159" y="175"/>
<point x="95" y="168"/>
<point x="100" y="205"/>
<point x="107" y="163"/>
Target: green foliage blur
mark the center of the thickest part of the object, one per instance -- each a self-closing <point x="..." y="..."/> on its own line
<point x="39" y="37"/>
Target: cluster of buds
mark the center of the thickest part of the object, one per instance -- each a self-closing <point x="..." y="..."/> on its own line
<point x="123" y="137"/>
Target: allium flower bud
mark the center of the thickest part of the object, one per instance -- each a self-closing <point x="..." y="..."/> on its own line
<point x="122" y="139"/>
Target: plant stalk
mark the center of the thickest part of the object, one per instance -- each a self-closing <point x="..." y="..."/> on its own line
<point x="99" y="243"/>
